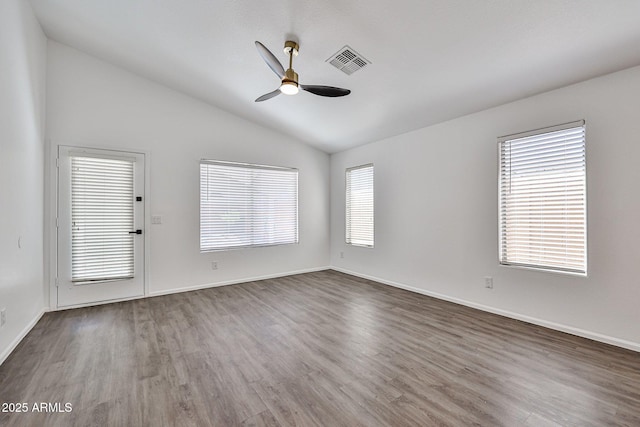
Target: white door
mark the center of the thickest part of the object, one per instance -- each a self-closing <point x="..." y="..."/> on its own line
<point x="100" y="226"/>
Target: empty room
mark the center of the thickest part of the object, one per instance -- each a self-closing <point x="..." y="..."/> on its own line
<point x="319" y="213"/>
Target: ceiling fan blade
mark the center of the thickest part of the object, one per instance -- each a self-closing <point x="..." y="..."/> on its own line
<point x="268" y="95"/>
<point x="270" y="59"/>
<point x="325" y="90"/>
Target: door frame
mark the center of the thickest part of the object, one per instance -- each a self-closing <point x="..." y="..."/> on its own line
<point x="51" y="219"/>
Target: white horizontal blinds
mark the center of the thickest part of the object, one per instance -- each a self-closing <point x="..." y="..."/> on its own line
<point x="359" y="204"/>
<point x="543" y="199"/>
<point x="102" y="217"/>
<point x="247" y="205"/>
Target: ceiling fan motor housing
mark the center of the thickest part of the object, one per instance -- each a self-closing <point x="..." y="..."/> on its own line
<point x="289" y="84"/>
<point x="290" y="76"/>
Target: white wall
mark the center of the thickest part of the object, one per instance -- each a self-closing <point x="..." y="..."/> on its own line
<point x="22" y="91"/>
<point x="436" y="212"/>
<point x="94" y="104"/>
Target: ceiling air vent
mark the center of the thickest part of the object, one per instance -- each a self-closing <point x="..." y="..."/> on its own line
<point x="347" y="60"/>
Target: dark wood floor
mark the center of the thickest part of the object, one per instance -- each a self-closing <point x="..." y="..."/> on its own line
<point x="319" y="349"/>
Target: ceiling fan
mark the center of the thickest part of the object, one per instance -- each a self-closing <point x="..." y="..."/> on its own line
<point x="289" y="85"/>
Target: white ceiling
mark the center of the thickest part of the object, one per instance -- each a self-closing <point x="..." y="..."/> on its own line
<point x="432" y="60"/>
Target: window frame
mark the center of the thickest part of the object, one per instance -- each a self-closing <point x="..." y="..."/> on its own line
<point x="346" y="186"/>
<point x="541" y="267"/>
<point x="247" y="166"/>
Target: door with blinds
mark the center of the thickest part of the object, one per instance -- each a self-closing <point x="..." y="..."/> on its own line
<point x="100" y="226"/>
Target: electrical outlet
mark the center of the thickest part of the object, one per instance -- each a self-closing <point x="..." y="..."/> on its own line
<point x="488" y="282"/>
<point x="341" y="254"/>
<point x="3" y="317"/>
<point x="214" y="265"/>
<point x="156" y="219"/>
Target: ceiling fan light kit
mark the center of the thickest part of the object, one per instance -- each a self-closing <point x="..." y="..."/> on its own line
<point x="289" y="79"/>
<point x="289" y="83"/>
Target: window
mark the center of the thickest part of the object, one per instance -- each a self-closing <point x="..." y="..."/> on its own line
<point x="359" y="215"/>
<point x="102" y="216"/>
<point x="244" y="205"/>
<point x="543" y="199"/>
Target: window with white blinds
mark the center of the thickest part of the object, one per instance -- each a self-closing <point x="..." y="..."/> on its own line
<point x="101" y="218"/>
<point x="543" y="199"/>
<point x="359" y="204"/>
<point x="244" y="205"/>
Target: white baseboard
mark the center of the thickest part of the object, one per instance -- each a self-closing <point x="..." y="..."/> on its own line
<point x="630" y="345"/>
<point x="235" y="281"/>
<point x="21" y="335"/>
<point x="97" y="303"/>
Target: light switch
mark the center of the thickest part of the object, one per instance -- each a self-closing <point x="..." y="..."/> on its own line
<point x="156" y="219"/>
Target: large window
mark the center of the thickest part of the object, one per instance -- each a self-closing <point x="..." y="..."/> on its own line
<point x="359" y="203"/>
<point x="543" y="199"/>
<point x="244" y="205"/>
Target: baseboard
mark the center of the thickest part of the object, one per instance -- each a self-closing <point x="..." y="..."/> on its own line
<point x="5" y="354"/>
<point x="97" y="303"/>
<point x="629" y="345"/>
<point x="236" y="281"/>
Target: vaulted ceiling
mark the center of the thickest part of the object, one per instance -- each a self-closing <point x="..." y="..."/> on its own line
<point x="431" y="60"/>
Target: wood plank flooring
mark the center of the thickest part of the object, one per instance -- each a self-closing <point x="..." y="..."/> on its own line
<point x="318" y="349"/>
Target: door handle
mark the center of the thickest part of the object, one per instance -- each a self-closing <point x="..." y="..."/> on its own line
<point x="136" y="232"/>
